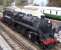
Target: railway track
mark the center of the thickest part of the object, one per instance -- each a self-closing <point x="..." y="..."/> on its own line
<point x="12" y="41"/>
<point x="15" y="40"/>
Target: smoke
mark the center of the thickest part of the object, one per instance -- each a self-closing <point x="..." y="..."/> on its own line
<point x="40" y="2"/>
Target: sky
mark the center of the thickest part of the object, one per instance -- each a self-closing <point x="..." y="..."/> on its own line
<point x="41" y="2"/>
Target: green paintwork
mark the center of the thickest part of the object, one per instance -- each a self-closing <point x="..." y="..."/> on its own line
<point x="55" y="17"/>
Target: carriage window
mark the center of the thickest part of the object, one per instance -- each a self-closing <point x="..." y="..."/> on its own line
<point x="58" y="12"/>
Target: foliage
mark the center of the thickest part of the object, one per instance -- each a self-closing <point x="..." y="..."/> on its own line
<point x="54" y="3"/>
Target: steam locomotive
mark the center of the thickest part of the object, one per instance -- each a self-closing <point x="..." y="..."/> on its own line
<point x="38" y="30"/>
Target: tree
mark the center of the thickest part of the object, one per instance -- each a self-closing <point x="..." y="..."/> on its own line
<point x="1" y="2"/>
<point x="56" y="3"/>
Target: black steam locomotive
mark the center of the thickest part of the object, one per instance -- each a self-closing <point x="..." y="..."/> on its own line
<point x="38" y="30"/>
